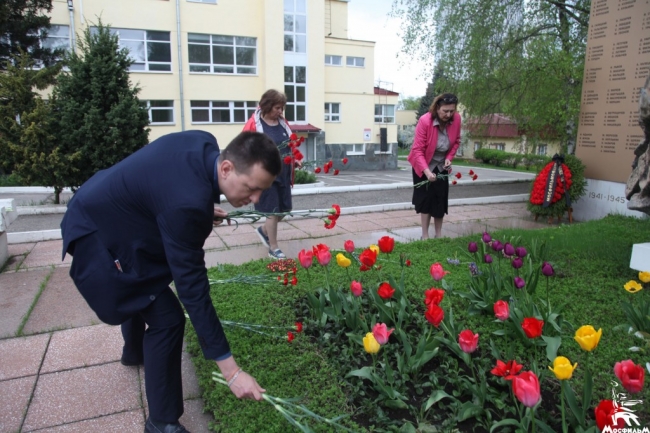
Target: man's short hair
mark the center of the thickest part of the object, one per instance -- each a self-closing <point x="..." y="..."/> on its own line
<point x="250" y="148"/>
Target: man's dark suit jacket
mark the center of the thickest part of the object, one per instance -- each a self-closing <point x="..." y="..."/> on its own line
<point x="151" y="212"/>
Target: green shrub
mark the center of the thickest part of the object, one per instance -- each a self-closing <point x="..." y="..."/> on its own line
<point x="303" y="176"/>
<point x="11" y="180"/>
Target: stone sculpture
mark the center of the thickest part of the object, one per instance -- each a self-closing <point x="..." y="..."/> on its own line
<point x="637" y="190"/>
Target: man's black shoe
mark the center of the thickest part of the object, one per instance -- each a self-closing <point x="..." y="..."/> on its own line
<point x="130" y="363"/>
<point x="159" y="427"/>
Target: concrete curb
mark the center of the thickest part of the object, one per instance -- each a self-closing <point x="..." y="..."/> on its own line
<point x="48" y="235"/>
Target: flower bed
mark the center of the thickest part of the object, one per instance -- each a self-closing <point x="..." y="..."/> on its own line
<point x="410" y="346"/>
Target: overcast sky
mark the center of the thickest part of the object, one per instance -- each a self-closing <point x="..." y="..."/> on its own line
<point x="368" y="20"/>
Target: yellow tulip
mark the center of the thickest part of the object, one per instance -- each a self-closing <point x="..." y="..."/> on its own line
<point x="644" y="277"/>
<point x="562" y="368"/>
<point x="374" y="248"/>
<point x="587" y="337"/>
<point x="632" y="286"/>
<point x="342" y="261"/>
<point x="370" y="343"/>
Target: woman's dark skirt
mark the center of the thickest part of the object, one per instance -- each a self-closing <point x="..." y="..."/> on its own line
<point x="432" y="198"/>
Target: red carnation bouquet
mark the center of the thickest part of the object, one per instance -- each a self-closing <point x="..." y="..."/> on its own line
<point x="540" y="185"/>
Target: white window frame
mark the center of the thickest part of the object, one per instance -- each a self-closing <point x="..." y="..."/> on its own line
<point x="295" y="11"/>
<point x="291" y="89"/>
<point x="147" y="63"/>
<point x="330" y="115"/>
<point x="498" y="146"/>
<point x="353" y="62"/>
<point x="53" y="38"/>
<point x="166" y="108"/>
<point x="390" y="150"/>
<point x="248" y="107"/>
<point x="355" y="149"/>
<point x="477" y="145"/>
<point x="238" y="42"/>
<point x="543" y="147"/>
<point x="330" y="60"/>
<point x="383" y="117"/>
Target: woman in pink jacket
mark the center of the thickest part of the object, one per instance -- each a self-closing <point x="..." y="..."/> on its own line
<point x="437" y="137"/>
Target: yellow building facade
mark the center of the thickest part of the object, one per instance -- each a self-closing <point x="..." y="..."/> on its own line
<point x="204" y="64"/>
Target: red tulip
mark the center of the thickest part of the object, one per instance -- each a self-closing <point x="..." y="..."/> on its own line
<point x="294" y="281"/>
<point x="356" y="288"/>
<point x="604" y="413"/>
<point x="368" y="258"/>
<point x="381" y="333"/>
<point x="532" y="327"/>
<point x="348" y="246"/>
<point x="437" y="272"/>
<point x="506" y="370"/>
<point x="386" y="244"/>
<point x="385" y="291"/>
<point x="298" y="327"/>
<point x="525" y="386"/>
<point x="408" y="263"/>
<point x="501" y="310"/>
<point x="290" y="336"/>
<point x="631" y="375"/>
<point x="434" y="315"/>
<point x="322" y="253"/>
<point x="306" y="258"/>
<point x="468" y="341"/>
<point x="433" y="296"/>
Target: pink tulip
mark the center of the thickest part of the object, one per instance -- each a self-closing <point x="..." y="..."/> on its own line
<point x="355" y="288"/>
<point x="323" y="257"/>
<point x="468" y="341"/>
<point x="501" y="310"/>
<point x="517" y="263"/>
<point x="348" y="246"/>
<point x="547" y="269"/>
<point x="526" y="388"/>
<point x="486" y="237"/>
<point x="519" y="282"/>
<point x="631" y="375"/>
<point x="381" y="333"/>
<point x="305" y="257"/>
<point x="437" y="272"/>
<point x="508" y="249"/>
<point x="472" y="247"/>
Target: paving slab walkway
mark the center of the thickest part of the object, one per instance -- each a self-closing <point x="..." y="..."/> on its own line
<point x="59" y="365"/>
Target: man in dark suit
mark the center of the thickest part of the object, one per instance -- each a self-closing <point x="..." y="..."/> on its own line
<point x="135" y="227"/>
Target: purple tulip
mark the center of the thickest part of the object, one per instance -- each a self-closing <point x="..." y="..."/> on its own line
<point x="472" y="247"/>
<point x="508" y="249"/>
<point x="517" y="263"/>
<point x="547" y="269"/>
<point x="497" y="246"/>
<point x="519" y="282"/>
<point x="487" y="258"/>
<point x="486" y="237"/>
<point x="521" y="252"/>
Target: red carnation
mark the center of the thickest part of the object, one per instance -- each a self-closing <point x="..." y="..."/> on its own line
<point x="317" y="170"/>
<point x="287" y="159"/>
<point x="344" y="161"/>
<point x="458" y="175"/>
<point x="336" y="171"/>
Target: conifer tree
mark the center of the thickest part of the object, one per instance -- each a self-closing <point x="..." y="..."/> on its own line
<point x="100" y="119"/>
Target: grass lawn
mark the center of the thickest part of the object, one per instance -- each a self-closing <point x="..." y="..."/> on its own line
<point x="591" y="262"/>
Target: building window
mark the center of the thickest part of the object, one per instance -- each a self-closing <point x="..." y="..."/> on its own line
<point x="355" y="61"/>
<point x="222" y="111"/>
<point x="58" y="37"/>
<point x="295" y="88"/>
<point x="542" y="149"/>
<point x="332" y="112"/>
<point x="295" y="26"/>
<point x="149" y="50"/>
<point x="213" y="2"/>
<point x="333" y="60"/>
<point x="218" y="54"/>
<point x="384" y="113"/>
<point x="477" y="145"/>
<point x="498" y="146"/>
<point x="160" y="112"/>
<point x="355" y="149"/>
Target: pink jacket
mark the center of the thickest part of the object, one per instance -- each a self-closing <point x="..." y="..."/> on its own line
<point x="426" y="140"/>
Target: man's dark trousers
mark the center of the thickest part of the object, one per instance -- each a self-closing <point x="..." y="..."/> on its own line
<point x="160" y="345"/>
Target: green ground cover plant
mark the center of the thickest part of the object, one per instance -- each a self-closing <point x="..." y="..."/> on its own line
<point x="421" y="377"/>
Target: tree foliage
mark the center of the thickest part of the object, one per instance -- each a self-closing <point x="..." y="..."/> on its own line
<point x="23" y="25"/>
<point x="521" y="58"/>
<point x="410" y="103"/>
<point x="100" y="119"/>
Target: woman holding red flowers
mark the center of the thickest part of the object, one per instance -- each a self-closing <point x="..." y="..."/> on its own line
<point x="268" y="119"/>
<point x="437" y="137"/>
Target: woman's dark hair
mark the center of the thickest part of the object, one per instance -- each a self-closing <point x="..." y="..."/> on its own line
<point x="443" y="99"/>
<point x="250" y="148"/>
<point x="270" y="99"/>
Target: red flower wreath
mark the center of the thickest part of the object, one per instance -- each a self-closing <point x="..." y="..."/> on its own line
<point x="539" y="187"/>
